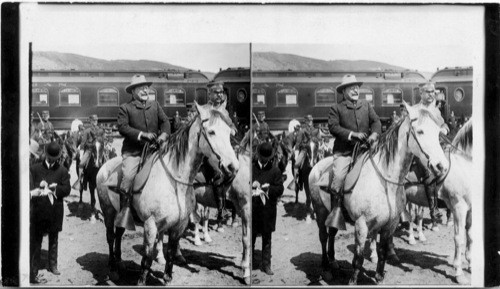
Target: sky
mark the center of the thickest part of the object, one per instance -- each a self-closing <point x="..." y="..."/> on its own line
<point x="209" y="37"/>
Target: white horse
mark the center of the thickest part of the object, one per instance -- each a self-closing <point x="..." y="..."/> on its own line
<point x="167" y="198"/>
<point x="375" y="202"/>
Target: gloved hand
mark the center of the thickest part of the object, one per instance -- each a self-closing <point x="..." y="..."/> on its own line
<point x="255" y="184"/>
<point x="149" y="136"/>
<point x="162" y="138"/>
<point x="373" y="138"/>
<point x="360" y="136"/>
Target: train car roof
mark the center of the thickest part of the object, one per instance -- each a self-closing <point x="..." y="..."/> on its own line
<point x="453" y="74"/>
<point x="336" y="76"/>
<point x="168" y="75"/>
<point x="233" y="74"/>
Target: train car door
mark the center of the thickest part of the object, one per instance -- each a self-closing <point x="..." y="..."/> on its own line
<point x="442" y="102"/>
<point x="201" y="96"/>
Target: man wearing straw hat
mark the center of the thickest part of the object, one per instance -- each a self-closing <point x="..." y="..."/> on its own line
<point x="88" y="140"/>
<point x="49" y="184"/>
<point x="267" y="187"/>
<point x="351" y="121"/>
<point x="140" y="121"/>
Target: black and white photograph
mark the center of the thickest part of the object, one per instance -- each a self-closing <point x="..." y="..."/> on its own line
<point x="138" y="174"/>
<point x="249" y="144"/>
<point x="371" y="192"/>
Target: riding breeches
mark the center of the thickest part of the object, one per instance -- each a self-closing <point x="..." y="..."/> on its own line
<point x="85" y="159"/>
<point x="339" y="170"/>
<point x="130" y="164"/>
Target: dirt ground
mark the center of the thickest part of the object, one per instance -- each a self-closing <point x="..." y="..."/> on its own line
<point x="83" y="252"/>
<point x="296" y="260"/>
<point x="296" y="253"/>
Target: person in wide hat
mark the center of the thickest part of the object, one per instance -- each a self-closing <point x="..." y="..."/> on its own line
<point x="140" y="121"/>
<point x="351" y="121"/>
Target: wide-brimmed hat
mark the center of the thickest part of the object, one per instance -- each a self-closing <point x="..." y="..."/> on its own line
<point x="265" y="151"/>
<point x="45" y="112"/>
<point x="53" y="151"/>
<point x="137" y="80"/>
<point x="308" y="117"/>
<point x="348" y="80"/>
<point x="216" y="85"/>
<point x="93" y="117"/>
<point x="34" y="147"/>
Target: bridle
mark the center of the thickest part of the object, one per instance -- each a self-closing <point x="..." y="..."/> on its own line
<point x="412" y="132"/>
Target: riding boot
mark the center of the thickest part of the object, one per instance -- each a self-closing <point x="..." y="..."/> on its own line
<point x="430" y="192"/>
<point x="336" y="217"/>
<point x="124" y="219"/>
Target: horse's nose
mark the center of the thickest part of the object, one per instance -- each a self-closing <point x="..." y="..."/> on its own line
<point x="233" y="168"/>
<point x="439" y="169"/>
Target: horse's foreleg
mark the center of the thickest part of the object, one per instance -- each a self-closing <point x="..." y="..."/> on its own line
<point x="459" y="216"/>
<point x="420" y="221"/>
<point x="206" y="235"/>
<point x="160" y="257"/>
<point x="172" y="247"/>
<point x="332" y="263"/>
<point x="411" y="235"/>
<point x="361" y="234"/>
<point x="468" y="231"/>
<point x="150" y="237"/>
<point x="112" y="262"/>
<point x="118" y="244"/>
<point x="373" y="249"/>
<point x="383" y="253"/>
<point x="245" y="239"/>
<point x="309" y="210"/>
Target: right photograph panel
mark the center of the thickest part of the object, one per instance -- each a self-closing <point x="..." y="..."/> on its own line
<point x="362" y="162"/>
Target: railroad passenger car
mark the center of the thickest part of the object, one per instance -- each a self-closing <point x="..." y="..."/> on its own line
<point x="455" y="87"/>
<point x="286" y="95"/>
<point x="237" y="88"/>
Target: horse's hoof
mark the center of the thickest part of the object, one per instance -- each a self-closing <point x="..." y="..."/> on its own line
<point x="353" y="281"/>
<point x="235" y="224"/>
<point x="462" y="280"/>
<point x="247" y="280"/>
<point x="393" y="257"/>
<point x="220" y="229"/>
<point x="379" y="278"/>
<point x="208" y="239"/>
<point x="92" y="219"/>
<point x="435" y="228"/>
<point x="180" y="260"/>
<point x="412" y="242"/>
<point x="229" y="221"/>
<point x="308" y="219"/>
<point x="449" y="224"/>
<point x="198" y="242"/>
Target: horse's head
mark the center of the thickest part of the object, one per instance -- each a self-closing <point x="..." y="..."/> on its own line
<point x="423" y="137"/>
<point x="463" y="139"/>
<point x="215" y="136"/>
<point x="98" y="152"/>
<point x="313" y="151"/>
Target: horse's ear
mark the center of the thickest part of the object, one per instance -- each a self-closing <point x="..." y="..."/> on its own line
<point x="200" y="109"/>
<point x="412" y="113"/>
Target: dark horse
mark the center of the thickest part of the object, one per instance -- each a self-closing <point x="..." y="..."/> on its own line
<point x="302" y="179"/>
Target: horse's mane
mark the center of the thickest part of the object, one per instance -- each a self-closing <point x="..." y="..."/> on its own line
<point x="463" y="139"/>
<point x="178" y="142"/>
<point x="388" y="142"/>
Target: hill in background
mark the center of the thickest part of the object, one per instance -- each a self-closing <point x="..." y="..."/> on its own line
<point x="49" y="60"/>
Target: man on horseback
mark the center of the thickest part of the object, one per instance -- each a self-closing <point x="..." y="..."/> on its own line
<point x="45" y="128"/>
<point x="88" y="140"/>
<point x="139" y="122"/>
<point x="216" y="178"/>
<point x="420" y="173"/>
<point x="351" y="122"/>
<point x="302" y="143"/>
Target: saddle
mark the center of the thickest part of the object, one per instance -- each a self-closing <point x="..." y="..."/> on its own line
<point x="140" y="179"/>
<point x="353" y="174"/>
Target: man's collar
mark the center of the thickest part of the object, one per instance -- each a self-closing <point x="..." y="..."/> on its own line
<point x="141" y="104"/>
<point x="48" y="165"/>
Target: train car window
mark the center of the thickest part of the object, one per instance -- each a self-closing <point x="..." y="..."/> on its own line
<point x="40" y="96"/>
<point x="201" y="95"/>
<point x="241" y="95"/>
<point x="392" y="97"/>
<point x="152" y="93"/>
<point x="459" y="94"/>
<point x="366" y="94"/>
<point x="259" y="97"/>
<point x="107" y="96"/>
<point x="287" y="97"/>
<point x="69" y="96"/>
<point x="325" y="96"/>
<point x="174" y="97"/>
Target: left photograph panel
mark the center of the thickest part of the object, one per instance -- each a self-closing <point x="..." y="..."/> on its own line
<point x="138" y="171"/>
